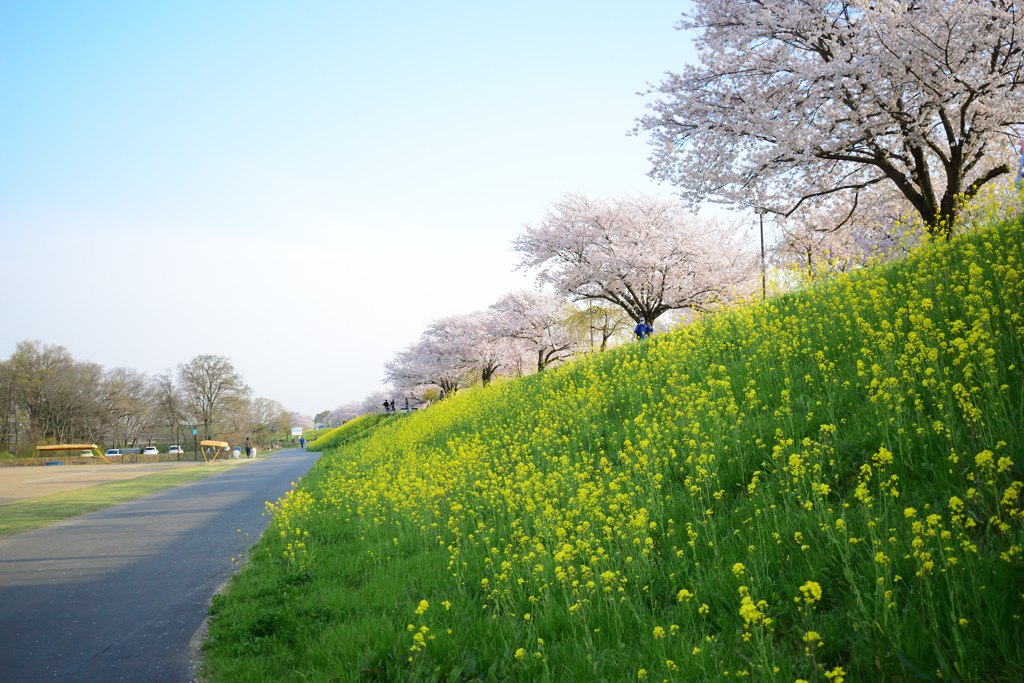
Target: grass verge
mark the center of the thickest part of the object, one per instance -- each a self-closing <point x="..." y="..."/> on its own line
<point x="33" y="513"/>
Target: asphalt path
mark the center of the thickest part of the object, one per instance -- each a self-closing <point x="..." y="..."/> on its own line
<point x="116" y="595"/>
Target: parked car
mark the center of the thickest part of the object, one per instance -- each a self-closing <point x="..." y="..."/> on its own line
<point x="176" y="450"/>
<point x="150" y="450"/>
<point x="113" y="451"/>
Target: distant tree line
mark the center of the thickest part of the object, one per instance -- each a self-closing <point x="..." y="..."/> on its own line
<point x="47" y="396"/>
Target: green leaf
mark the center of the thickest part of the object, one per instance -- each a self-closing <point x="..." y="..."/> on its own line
<point x="915" y="665"/>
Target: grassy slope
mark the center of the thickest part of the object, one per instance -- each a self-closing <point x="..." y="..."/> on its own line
<point x="33" y="513"/>
<point x="352" y="428"/>
<point x="314" y="434"/>
<point x="828" y="483"/>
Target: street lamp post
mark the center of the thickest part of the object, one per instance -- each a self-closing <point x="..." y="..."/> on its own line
<point x="760" y="215"/>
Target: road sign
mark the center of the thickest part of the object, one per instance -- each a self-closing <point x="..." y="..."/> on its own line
<point x="193" y="432"/>
<point x="296" y="431"/>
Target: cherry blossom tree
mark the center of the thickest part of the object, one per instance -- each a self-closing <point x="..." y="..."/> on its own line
<point x="449" y="354"/>
<point x="536" y="320"/>
<point x="296" y="419"/>
<point x="794" y="101"/>
<point x="483" y="353"/>
<point x="420" y="364"/>
<point x="833" y="236"/>
<point x="344" y="413"/>
<point x="374" y="402"/>
<point x="643" y="254"/>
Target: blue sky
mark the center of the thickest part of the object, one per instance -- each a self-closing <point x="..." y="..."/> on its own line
<point x="299" y="186"/>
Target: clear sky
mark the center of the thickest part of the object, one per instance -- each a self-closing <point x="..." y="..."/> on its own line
<point x="299" y="186"/>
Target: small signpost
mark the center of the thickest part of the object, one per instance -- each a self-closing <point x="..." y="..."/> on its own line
<point x="296" y="431"/>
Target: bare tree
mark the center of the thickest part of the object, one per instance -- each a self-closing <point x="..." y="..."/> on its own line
<point x="126" y="397"/>
<point x="207" y="381"/>
<point x="56" y="396"/>
<point x="169" y="405"/>
<point x="268" y="417"/>
<point x="13" y="422"/>
<point x="34" y="365"/>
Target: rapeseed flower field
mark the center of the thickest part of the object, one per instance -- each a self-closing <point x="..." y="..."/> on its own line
<point x="825" y="486"/>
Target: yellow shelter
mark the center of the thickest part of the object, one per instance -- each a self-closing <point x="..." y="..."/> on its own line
<point x="91" y="447"/>
<point x="214" y="449"/>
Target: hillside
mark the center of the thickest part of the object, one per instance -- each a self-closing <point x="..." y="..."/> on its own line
<point x="825" y="486"/>
<point x="358" y="427"/>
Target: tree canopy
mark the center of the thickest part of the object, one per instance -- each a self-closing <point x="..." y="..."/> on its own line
<point x="643" y="254"/>
<point x="794" y="101"/>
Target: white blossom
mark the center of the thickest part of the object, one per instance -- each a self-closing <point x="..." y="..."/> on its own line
<point x="643" y="254"/>
<point x="794" y="100"/>
<point x="538" y="321"/>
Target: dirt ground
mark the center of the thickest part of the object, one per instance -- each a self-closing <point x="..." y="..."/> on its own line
<point x="18" y="483"/>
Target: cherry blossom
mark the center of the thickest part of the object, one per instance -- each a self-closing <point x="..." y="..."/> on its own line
<point x="643" y="254"/>
<point x="793" y="101"/>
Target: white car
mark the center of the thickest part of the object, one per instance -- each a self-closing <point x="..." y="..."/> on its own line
<point x="113" y="451"/>
<point x="176" y="450"/>
<point x="150" y="450"/>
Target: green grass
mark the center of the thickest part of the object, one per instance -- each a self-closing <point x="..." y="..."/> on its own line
<point x="33" y="513"/>
<point x="358" y="427"/>
<point x="823" y="486"/>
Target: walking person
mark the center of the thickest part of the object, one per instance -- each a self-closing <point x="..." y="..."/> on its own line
<point x="407" y="405"/>
<point x="642" y="330"/>
<point x="302" y="442"/>
<point x="392" y="405"/>
<point x="387" y="407"/>
<point x="1020" y="171"/>
<point x="248" y="447"/>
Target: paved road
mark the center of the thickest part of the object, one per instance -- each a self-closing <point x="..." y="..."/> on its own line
<point x="115" y="595"/>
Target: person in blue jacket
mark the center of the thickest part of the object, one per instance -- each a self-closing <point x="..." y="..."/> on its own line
<point x="1020" y="171"/>
<point x="642" y="330"/>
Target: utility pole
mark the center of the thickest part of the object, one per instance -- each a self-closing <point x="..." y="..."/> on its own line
<point x="760" y="214"/>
